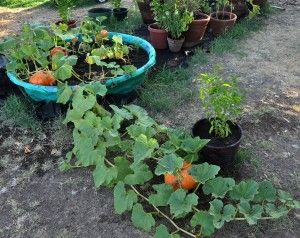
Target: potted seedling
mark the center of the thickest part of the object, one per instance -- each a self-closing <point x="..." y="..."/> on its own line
<point x="221" y="100"/>
<point x="158" y="34"/>
<point x="221" y="20"/>
<point x="198" y="26"/>
<point x="146" y="11"/>
<point x="120" y="13"/>
<point x="64" y="8"/>
<point x="174" y="19"/>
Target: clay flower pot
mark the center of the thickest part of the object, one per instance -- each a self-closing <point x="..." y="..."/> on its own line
<point x="196" y="30"/>
<point x="146" y="12"/>
<point x="158" y="37"/>
<point x="175" y="45"/>
<point x="221" y="21"/>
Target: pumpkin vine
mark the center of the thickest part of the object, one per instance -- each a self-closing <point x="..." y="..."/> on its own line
<point x="130" y="152"/>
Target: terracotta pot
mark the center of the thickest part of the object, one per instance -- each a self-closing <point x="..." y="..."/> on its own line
<point x="158" y="37"/>
<point x="146" y="12"/>
<point x="218" y="25"/>
<point x="260" y="2"/>
<point x="196" y="30"/>
<point x="71" y="23"/>
<point x="175" y="45"/>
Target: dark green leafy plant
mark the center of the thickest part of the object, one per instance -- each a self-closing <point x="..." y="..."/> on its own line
<point x="120" y="145"/>
<point x="116" y="4"/>
<point x="221" y="101"/>
<point x="64" y="8"/>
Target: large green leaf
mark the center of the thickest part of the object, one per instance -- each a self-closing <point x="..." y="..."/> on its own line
<point x="162" y="232"/>
<point x="143" y="148"/>
<point x="218" y="187"/>
<point x="276" y="212"/>
<point x="104" y="176"/>
<point x="204" y="172"/>
<point x="122" y="112"/>
<point x="136" y="130"/>
<point x="182" y="203"/>
<point x="123" y="166"/>
<point x="123" y="200"/>
<point x="141" y="174"/>
<point x="141" y="219"/>
<point x="205" y="220"/>
<point x="81" y="102"/>
<point x="168" y="164"/>
<point x="245" y="190"/>
<point x="141" y="115"/>
<point x="251" y="213"/>
<point x="162" y="196"/>
<point x="193" y="145"/>
<point x="266" y="192"/>
<point x="64" y="94"/>
<point x="221" y="213"/>
<point x="284" y="196"/>
<point x="64" y="72"/>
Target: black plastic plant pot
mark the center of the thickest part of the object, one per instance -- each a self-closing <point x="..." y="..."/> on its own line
<point x="101" y="11"/>
<point x="120" y="13"/>
<point x="219" y="151"/>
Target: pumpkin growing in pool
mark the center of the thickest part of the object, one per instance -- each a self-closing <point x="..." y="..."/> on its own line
<point x="181" y="180"/>
<point x="44" y="78"/>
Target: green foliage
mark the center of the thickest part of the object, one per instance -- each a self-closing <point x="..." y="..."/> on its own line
<point x="18" y="111"/>
<point x="172" y="16"/>
<point x="64" y="8"/>
<point x="141" y="219"/>
<point x="182" y="203"/>
<point x="120" y="146"/>
<point x="221" y="100"/>
<point x="116" y="3"/>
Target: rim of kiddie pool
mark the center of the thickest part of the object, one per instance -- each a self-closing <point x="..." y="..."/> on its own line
<point x="129" y="39"/>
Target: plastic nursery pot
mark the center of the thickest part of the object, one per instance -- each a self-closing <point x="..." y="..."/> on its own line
<point x="100" y="12"/>
<point x="146" y="12"/>
<point x="119" y="85"/>
<point x="218" y="151"/>
<point x="120" y="13"/>
<point x="175" y="45"/>
<point x="158" y="37"/>
<point x="221" y="21"/>
<point x="71" y="23"/>
<point x="239" y="8"/>
<point x="196" y="29"/>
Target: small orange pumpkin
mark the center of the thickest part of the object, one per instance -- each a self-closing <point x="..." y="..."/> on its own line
<point x="44" y="78"/>
<point x="58" y="49"/>
<point x="183" y="180"/>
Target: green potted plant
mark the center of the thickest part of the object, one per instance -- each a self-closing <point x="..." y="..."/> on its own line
<point x="146" y="11"/>
<point x="197" y="28"/>
<point x="158" y="34"/>
<point x="221" y="100"/>
<point x="64" y="8"/>
<point x="177" y="21"/>
<point x="120" y="13"/>
<point x="221" y="20"/>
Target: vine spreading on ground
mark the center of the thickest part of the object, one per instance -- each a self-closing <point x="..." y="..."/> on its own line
<point x="129" y="151"/>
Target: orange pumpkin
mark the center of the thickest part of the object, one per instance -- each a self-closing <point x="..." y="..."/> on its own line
<point x="183" y="179"/>
<point x="44" y="78"/>
<point x="104" y="33"/>
<point x="58" y="49"/>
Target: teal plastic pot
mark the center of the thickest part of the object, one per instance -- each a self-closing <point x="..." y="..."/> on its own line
<point x="118" y="85"/>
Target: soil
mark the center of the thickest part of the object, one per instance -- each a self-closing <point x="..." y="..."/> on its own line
<point x="37" y="200"/>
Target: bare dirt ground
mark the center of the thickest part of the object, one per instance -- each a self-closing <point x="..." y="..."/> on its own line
<point x="37" y="200"/>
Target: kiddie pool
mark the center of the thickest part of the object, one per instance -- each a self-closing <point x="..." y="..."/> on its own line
<point x="118" y="85"/>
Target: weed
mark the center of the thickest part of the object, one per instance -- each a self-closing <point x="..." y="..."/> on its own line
<point x="167" y="90"/>
<point x="19" y="112"/>
<point x="199" y="57"/>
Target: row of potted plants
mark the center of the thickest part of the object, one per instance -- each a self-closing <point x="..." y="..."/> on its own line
<point x="183" y="23"/>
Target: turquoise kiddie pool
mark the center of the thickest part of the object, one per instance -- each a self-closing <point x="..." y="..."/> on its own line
<point x="118" y="85"/>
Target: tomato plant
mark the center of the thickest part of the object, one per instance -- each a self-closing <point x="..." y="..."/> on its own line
<point x="127" y="149"/>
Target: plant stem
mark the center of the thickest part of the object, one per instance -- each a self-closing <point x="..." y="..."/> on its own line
<point x="159" y="211"/>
